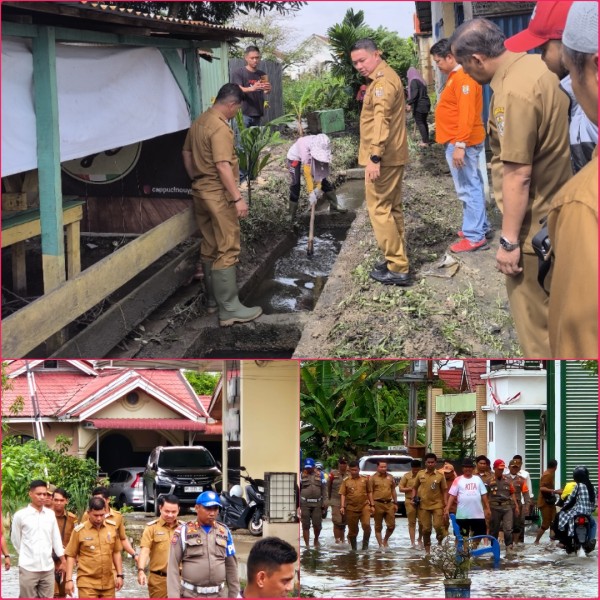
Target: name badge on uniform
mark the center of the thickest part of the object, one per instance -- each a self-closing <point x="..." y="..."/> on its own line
<point x="499" y="118"/>
<point x="379" y="92"/>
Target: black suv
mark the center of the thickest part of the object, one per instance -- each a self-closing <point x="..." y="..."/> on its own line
<point x="185" y="471"/>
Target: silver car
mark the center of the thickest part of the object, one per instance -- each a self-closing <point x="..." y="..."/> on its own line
<point x="126" y="485"/>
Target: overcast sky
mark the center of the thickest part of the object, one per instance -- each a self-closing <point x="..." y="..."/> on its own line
<point x="317" y="16"/>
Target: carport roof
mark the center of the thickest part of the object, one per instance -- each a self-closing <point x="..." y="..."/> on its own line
<point x="155" y="424"/>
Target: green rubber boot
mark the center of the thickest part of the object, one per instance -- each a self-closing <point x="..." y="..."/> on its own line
<point x="231" y="310"/>
<point x="333" y="203"/>
<point x="211" y="304"/>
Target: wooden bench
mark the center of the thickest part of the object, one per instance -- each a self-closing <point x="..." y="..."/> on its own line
<point x="26" y="224"/>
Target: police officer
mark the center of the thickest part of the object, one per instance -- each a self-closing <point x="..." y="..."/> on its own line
<point x="519" y="484"/>
<point x="334" y="482"/>
<point x="430" y="494"/>
<point x="529" y="137"/>
<point x="312" y="500"/>
<point x="503" y="503"/>
<point x="95" y="547"/>
<point x="212" y="165"/>
<point x="406" y="485"/>
<point x="66" y="522"/>
<point x="155" y="545"/>
<point x="202" y="556"/>
<point x="383" y="488"/>
<point x="356" y="503"/>
<point x="384" y="152"/>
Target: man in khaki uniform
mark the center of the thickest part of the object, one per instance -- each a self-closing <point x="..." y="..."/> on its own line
<point x="430" y="494"/>
<point x="546" y="500"/>
<point x="212" y="165"/>
<point x="384" y="152"/>
<point x="202" y="556"/>
<point x="155" y="545"/>
<point x="96" y="548"/>
<point x="312" y="501"/>
<point x="66" y="522"/>
<point x="529" y="137"/>
<point x="356" y="503"/>
<point x="334" y="483"/>
<point x="383" y="488"/>
<point x="406" y="485"/>
<point x="573" y="218"/>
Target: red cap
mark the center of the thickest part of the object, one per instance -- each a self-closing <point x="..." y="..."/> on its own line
<point x="499" y="464"/>
<point x="547" y="23"/>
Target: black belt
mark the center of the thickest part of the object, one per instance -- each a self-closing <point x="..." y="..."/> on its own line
<point x="384" y="501"/>
<point x="161" y="573"/>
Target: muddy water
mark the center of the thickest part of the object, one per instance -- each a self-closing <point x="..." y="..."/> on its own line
<point x="333" y="571"/>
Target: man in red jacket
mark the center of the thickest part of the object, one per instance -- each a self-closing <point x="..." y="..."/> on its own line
<point x="458" y="125"/>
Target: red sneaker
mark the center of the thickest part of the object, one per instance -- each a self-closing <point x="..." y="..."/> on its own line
<point x="464" y="245"/>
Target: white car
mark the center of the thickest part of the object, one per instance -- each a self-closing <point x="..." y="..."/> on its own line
<point x="397" y="466"/>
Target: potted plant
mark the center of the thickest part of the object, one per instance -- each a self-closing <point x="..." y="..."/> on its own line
<point x="455" y="566"/>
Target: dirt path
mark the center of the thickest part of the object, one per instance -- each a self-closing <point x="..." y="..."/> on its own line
<point x="463" y="315"/>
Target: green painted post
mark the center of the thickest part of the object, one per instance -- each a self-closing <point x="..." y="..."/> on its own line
<point x="193" y="73"/>
<point x="48" y="155"/>
<point x="180" y="75"/>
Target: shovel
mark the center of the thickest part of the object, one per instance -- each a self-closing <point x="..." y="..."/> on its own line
<point x="311" y="231"/>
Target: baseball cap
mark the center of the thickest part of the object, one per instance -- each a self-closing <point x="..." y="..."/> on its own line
<point x="513" y="463"/>
<point x="208" y="499"/>
<point x="581" y="29"/>
<point x="547" y="23"/>
<point x="309" y="462"/>
<point x="499" y="464"/>
<point x="447" y="468"/>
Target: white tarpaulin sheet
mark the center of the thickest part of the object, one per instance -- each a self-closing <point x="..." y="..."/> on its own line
<point x="107" y="98"/>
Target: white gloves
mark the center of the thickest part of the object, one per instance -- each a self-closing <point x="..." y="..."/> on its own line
<point x="312" y="198"/>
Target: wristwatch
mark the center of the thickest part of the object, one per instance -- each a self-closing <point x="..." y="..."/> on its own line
<point x="120" y="575"/>
<point x="508" y="246"/>
<point x="375" y="159"/>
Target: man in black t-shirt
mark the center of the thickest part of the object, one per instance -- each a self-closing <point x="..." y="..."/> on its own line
<point x="254" y="83"/>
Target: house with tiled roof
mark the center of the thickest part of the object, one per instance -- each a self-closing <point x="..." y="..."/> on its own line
<point x="114" y="415"/>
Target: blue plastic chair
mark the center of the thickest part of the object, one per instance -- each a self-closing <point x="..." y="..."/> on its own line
<point x="493" y="548"/>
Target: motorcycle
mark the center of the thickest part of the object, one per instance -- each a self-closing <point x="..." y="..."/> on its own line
<point x="581" y="537"/>
<point x="236" y="513"/>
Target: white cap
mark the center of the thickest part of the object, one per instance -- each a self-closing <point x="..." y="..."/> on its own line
<point x="581" y="29"/>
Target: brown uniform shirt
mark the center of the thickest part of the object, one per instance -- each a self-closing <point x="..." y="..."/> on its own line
<point x="335" y="479"/>
<point x="311" y="486"/>
<point x="383" y="120"/>
<point x="116" y="517"/>
<point x="382" y="487"/>
<point x="66" y="524"/>
<point x="356" y="492"/>
<point x="431" y="488"/>
<point x="408" y="480"/>
<point x="521" y="490"/>
<point x="501" y="491"/>
<point x="573" y="230"/>
<point x="156" y="538"/>
<point x="528" y="125"/>
<point x="210" y="140"/>
<point x="486" y="478"/>
<point x="547" y="481"/>
<point x="93" y="549"/>
<point x="204" y="561"/>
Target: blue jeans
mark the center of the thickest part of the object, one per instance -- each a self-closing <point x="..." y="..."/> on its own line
<point x="468" y="182"/>
<point x="251" y="121"/>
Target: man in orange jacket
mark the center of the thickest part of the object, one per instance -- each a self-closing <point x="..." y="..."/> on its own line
<point x="459" y="126"/>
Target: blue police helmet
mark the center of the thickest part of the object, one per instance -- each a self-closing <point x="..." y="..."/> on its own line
<point x="309" y="462"/>
<point x="208" y="499"/>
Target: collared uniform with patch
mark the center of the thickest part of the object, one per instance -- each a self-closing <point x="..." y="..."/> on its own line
<point x="93" y="548"/>
<point x="207" y="559"/>
<point x="528" y="125"/>
<point x="157" y="537"/>
<point x="355" y="490"/>
<point x="66" y="524"/>
<point x="383" y="133"/>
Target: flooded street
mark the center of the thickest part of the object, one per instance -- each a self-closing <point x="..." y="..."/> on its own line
<point x="333" y="571"/>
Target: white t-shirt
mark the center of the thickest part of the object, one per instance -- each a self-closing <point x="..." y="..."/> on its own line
<point x="468" y="492"/>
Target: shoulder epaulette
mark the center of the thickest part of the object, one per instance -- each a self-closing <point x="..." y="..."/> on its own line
<point x="79" y="527"/>
<point x="221" y="527"/>
<point x="152" y="522"/>
<point x="110" y="522"/>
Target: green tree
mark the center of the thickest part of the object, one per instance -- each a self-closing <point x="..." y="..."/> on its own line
<point x="214" y="12"/>
<point x="204" y="384"/>
<point x="348" y="406"/>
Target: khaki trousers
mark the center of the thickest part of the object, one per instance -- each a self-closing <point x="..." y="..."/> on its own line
<point x="354" y="516"/>
<point x="337" y="518"/>
<point x="385" y="511"/>
<point x="219" y="226"/>
<point x="36" y="584"/>
<point x="384" y="203"/>
<point x="157" y="586"/>
<point x="425" y="519"/>
<point x="83" y="592"/>
<point x="529" y="308"/>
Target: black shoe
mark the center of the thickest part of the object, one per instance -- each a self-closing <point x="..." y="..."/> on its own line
<point x="489" y="234"/>
<point x="387" y="277"/>
<point x="381" y="267"/>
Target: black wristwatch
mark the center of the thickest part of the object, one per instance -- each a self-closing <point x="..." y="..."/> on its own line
<point x="120" y="575"/>
<point x="375" y="159"/>
<point x="508" y="246"/>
